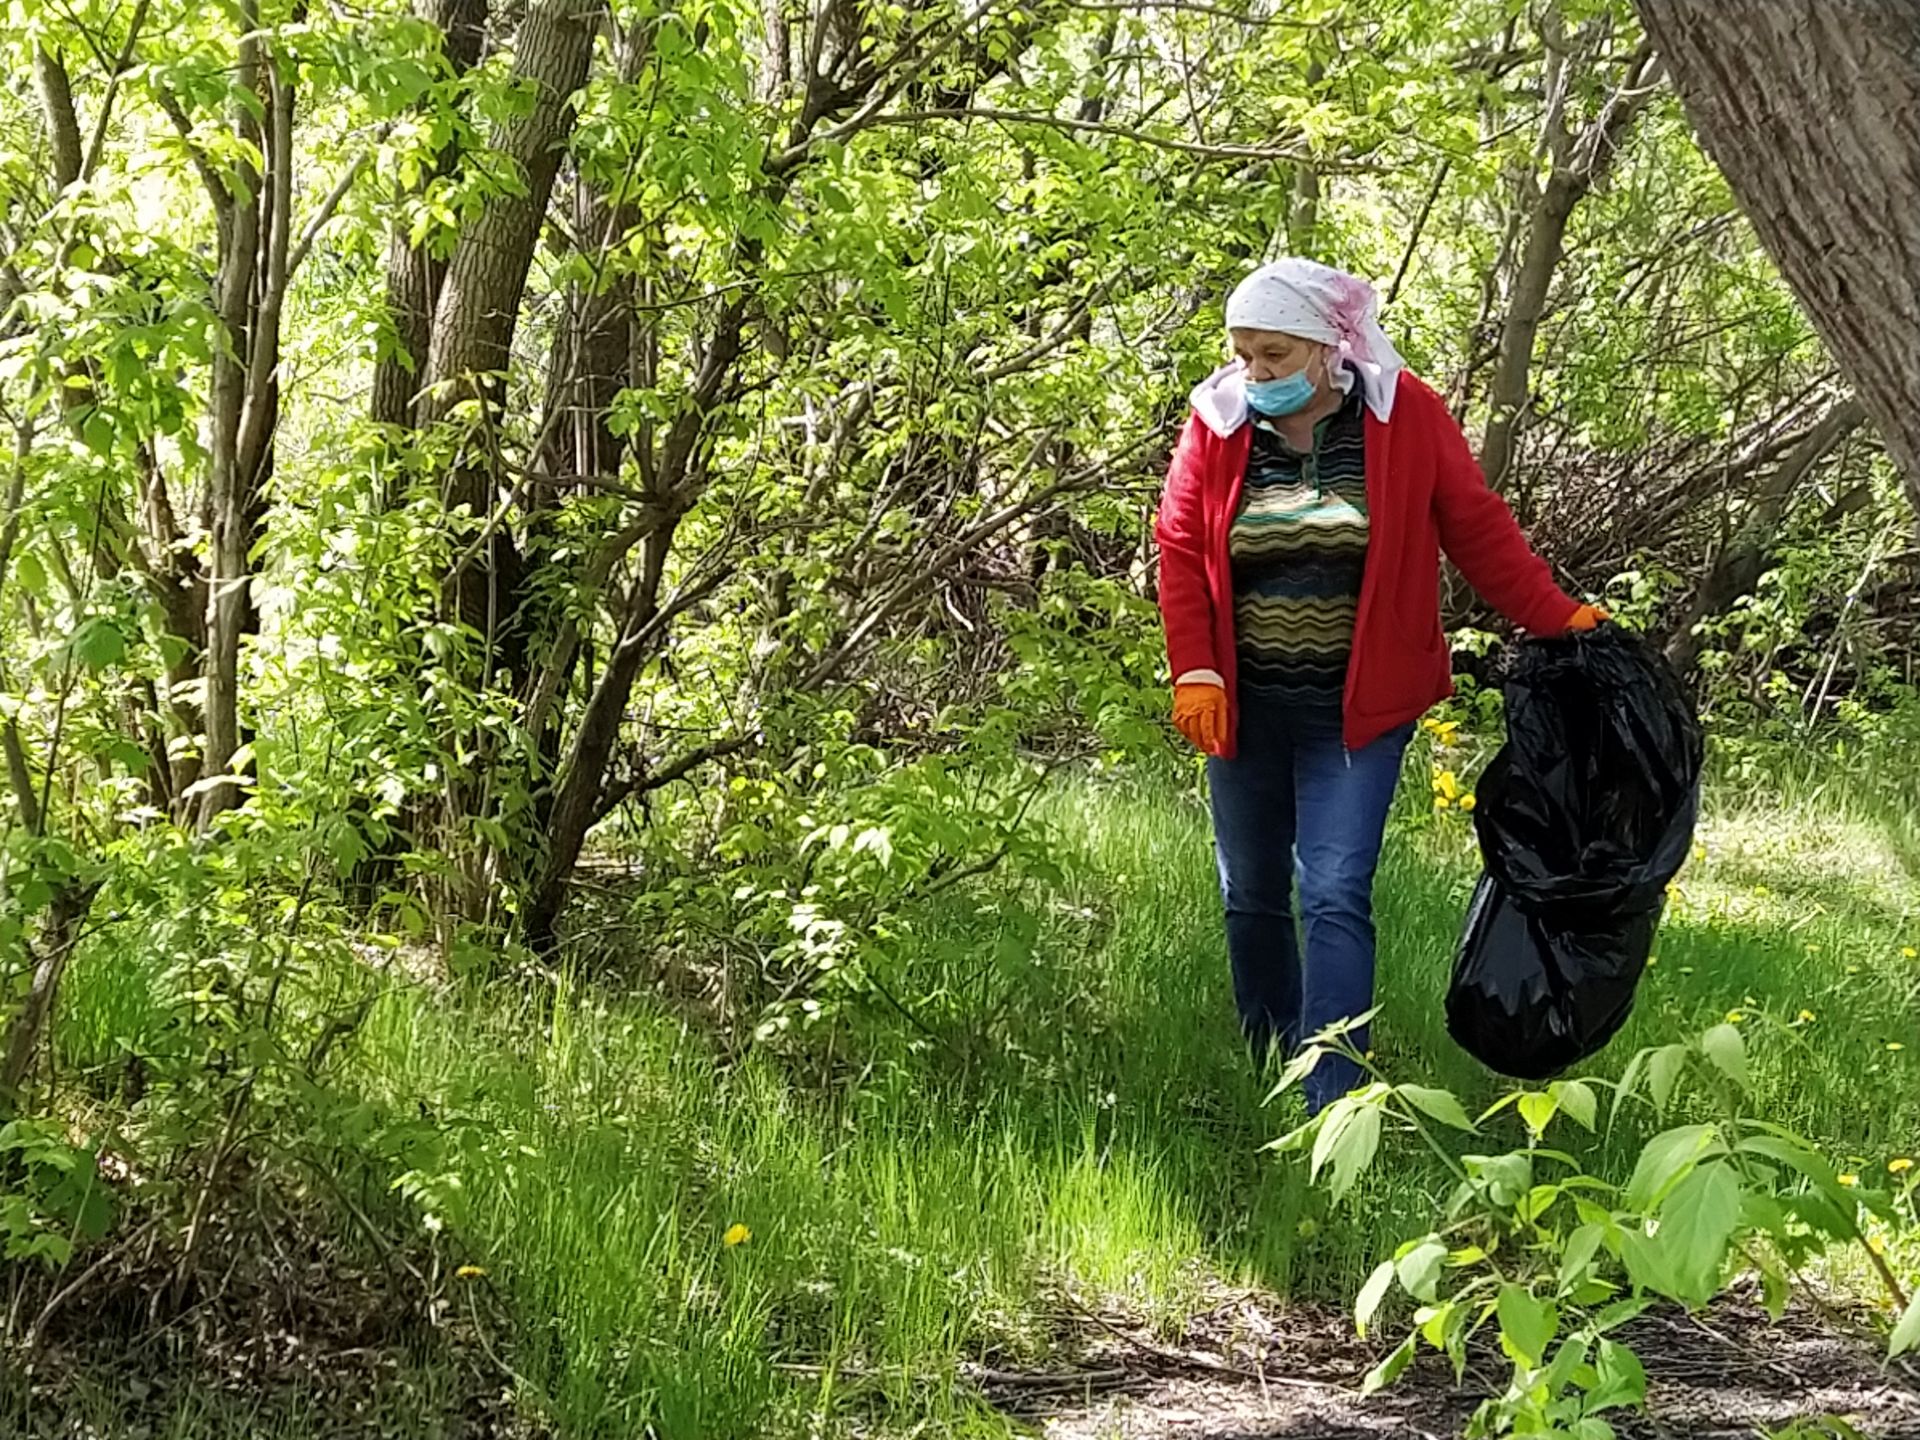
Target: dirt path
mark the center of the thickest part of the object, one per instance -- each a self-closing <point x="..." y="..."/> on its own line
<point x="1248" y="1371"/>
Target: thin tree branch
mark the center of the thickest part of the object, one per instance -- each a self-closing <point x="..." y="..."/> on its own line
<point x="1045" y="346"/>
<point x="1100" y="127"/>
<point x="1419" y="226"/>
<point x="120" y="65"/>
<point x="210" y="177"/>
<point x="318" y="220"/>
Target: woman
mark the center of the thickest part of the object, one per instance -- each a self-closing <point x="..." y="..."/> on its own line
<point x="1300" y="534"/>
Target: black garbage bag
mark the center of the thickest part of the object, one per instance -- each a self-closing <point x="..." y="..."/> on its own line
<point x="1584" y="817"/>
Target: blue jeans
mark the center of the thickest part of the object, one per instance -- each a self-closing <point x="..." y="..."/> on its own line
<point x="1295" y="806"/>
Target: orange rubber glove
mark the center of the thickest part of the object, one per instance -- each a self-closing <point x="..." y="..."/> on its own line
<point x="1200" y="714"/>
<point x="1587" y="617"/>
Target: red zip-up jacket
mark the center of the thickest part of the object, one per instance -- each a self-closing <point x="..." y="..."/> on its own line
<point x="1425" y="493"/>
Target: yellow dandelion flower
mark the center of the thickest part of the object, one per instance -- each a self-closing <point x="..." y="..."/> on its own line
<point x="1448" y="784"/>
<point x="1849" y="1180"/>
<point x="1734" y="1017"/>
<point x="1895" y="1046"/>
<point x="1761" y="892"/>
<point x="1467" y="803"/>
<point x="736" y="1235"/>
<point x="1900" y="1166"/>
<point x="1806" y="1017"/>
<point x="1440" y="802"/>
<point x="1910" y="953"/>
<point x="1876" y="1244"/>
<point x="470" y="1272"/>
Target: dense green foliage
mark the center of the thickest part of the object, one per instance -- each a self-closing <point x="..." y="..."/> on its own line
<point x="577" y="663"/>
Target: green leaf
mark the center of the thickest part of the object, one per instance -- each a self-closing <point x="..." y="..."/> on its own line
<point x="1577" y="1259"/>
<point x="1577" y="1099"/>
<point x="1389" y="1369"/>
<point x="98" y="431"/>
<point x="1527" y="1324"/>
<point x="1906" y="1335"/>
<point x="1629" y="1078"/>
<point x="1441" y="1105"/>
<point x="1696" y="1224"/>
<point x="1420" y="1269"/>
<point x="98" y="644"/>
<point x="1792" y="1153"/>
<point x="1437" y="1322"/>
<point x="1727" y="1050"/>
<point x="1620" y="1380"/>
<point x="1367" y="1304"/>
<point x="1663" y="1073"/>
<point x="31" y="574"/>
<point x="1537" y="1108"/>
<point x="1347" y="1142"/>
<point x="1567" y="1362"/>
<point x="1298" y="1068"/>
<point x="1667" y="1159"/>
<point x="1835" y="1219"/>
<point x="1507" y="1178"/>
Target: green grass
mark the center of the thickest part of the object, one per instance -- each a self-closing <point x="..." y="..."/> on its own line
<point x="909" y="1216"/>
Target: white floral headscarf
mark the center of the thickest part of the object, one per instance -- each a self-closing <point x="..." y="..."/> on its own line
<point x="1318" y="302"/>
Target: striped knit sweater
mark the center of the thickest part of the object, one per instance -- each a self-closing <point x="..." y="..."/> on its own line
<point x="1299" y="550"/>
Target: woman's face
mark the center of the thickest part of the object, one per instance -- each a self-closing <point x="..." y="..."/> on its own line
<point x="1268" y="355"/>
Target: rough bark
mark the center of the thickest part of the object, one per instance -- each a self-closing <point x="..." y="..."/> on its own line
<point x="414" y="276"/>
<point x="63" y="126"/>
<point x="228" y="576"/>
<point x="1744" y="558"/>
<point x="678" y="476"/>
<point x="479" y="304"/>
<point x="1812" y="110"/>
<point x="590" y="366"/>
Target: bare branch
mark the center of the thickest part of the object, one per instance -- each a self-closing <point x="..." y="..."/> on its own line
<point x="20" y="774"/>
<point x="647" y="780"/>
<point x="1419" y="227"/>
<point x="1193" y="7"/>
<point x="210" y="177"/>
<point x="1098" y="127"/>
<point x="1046" y="345"/>
<point x="120" y="66"/>
<point x="318" y="220"/>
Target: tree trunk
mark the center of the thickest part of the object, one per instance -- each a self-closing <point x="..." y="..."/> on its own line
<point x="228" y="576"/>
<point x="677" y="481"/>
<point x="414" y="276"/>
<point x="1812" y="109"/>
<point x="1577" y="164"/>
<point x="479" y="305"/>
<point x="63" y="127"/>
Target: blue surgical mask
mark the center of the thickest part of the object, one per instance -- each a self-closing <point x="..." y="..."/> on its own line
<point x="1285" y="396"/>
